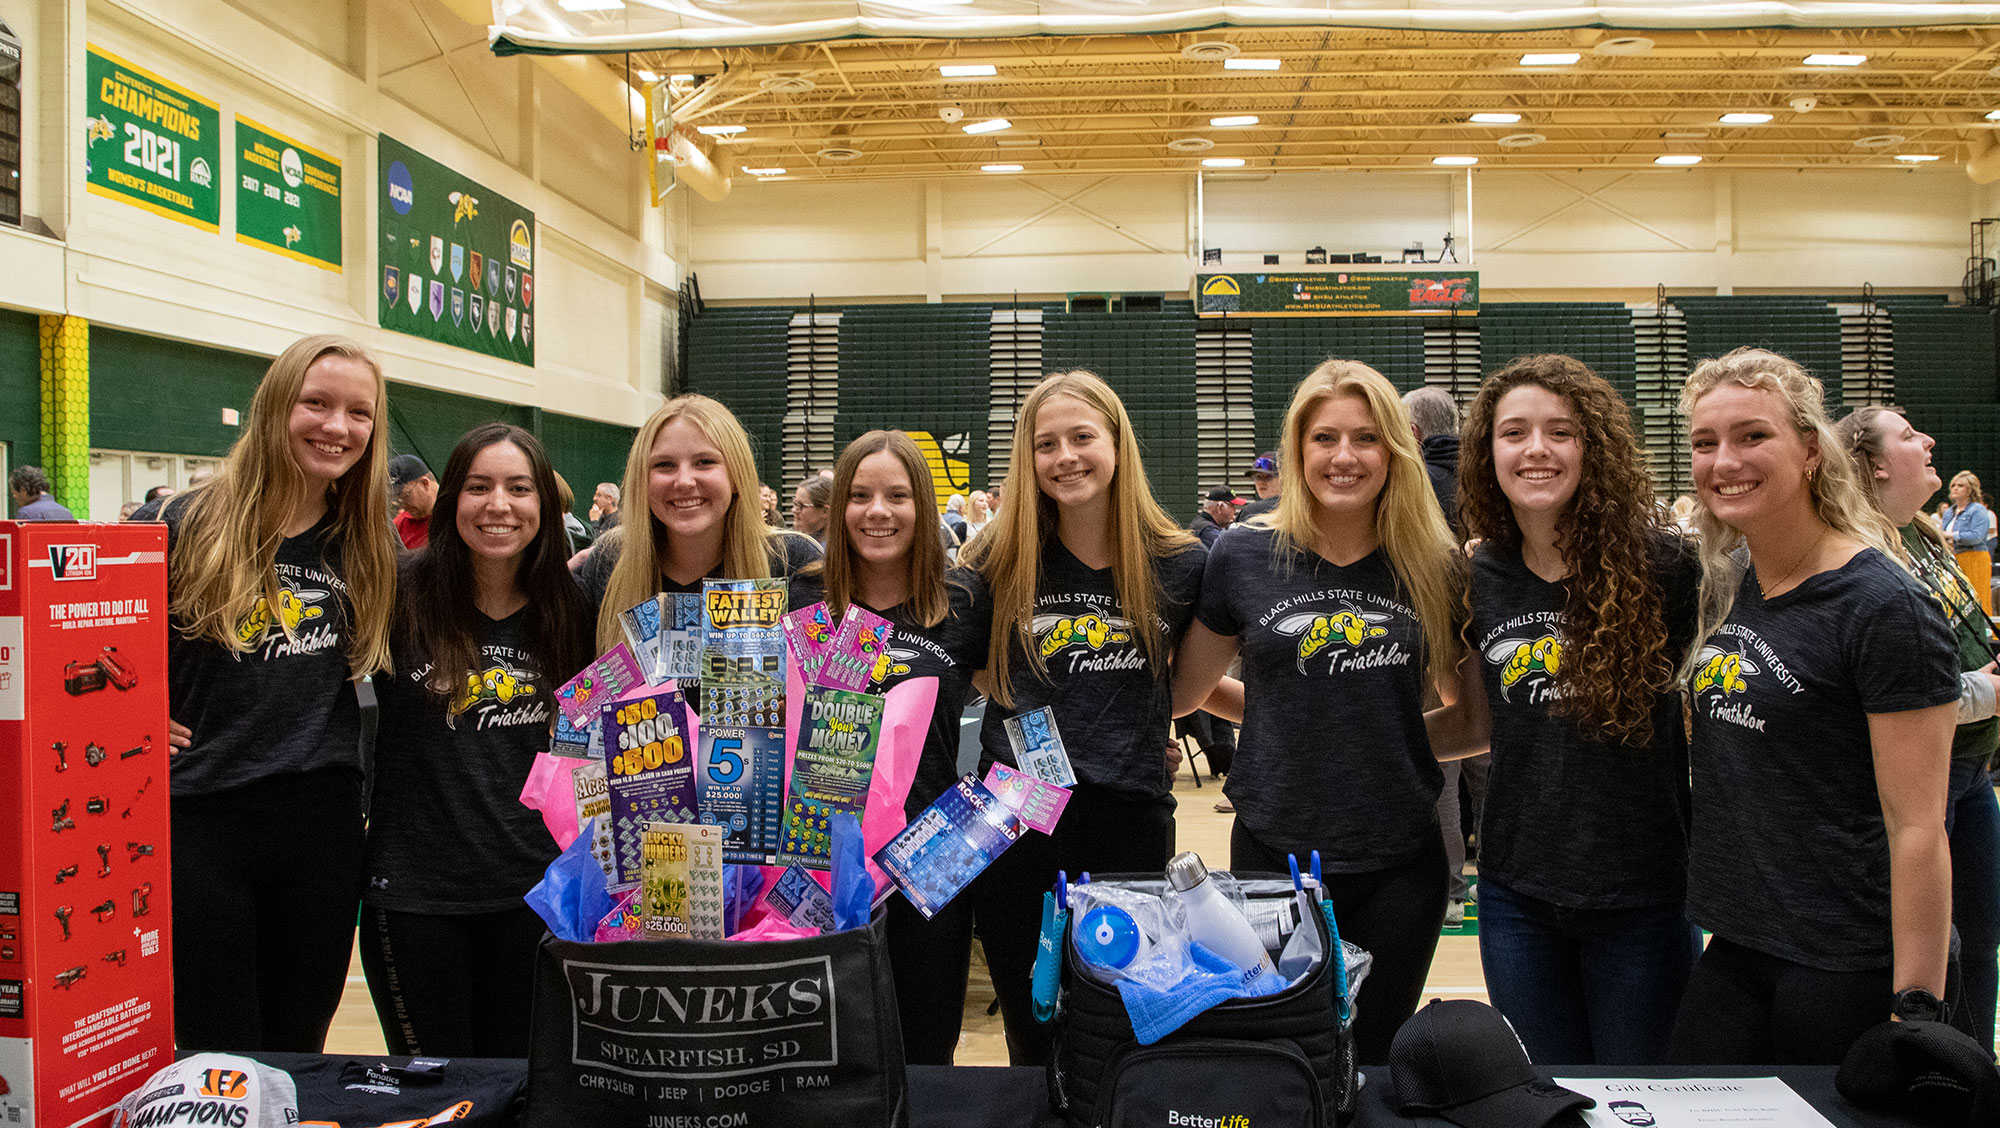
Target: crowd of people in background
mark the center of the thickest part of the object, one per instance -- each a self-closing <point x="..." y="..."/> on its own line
<point x="1768" y="713"/>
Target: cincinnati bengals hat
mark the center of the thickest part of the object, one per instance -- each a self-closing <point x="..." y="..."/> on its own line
<point x="1927" y="1071"/>
<point x="212" y="1090"/>
<point x="1459" y="1059"/>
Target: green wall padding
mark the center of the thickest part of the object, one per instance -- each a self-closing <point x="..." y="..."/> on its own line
<point x="586" y="452"/>
<point x="157" y="395"/>
<point x="20" y="388"/>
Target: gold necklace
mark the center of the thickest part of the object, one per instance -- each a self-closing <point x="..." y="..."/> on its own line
<point x="1796" y="564"/>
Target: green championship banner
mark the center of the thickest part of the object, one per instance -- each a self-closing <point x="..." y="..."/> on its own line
<point x="287" y="196"/>
<point x="1337" y="293"/>
<point x="150" y="143"/>
<point x="458" y="259"/>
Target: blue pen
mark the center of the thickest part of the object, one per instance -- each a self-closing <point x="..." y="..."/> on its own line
<point x="1062" y="889"/>
<point x="1316" y="876"/>
<point x="1086" y="877"/>
<point x="1297" y="885"/>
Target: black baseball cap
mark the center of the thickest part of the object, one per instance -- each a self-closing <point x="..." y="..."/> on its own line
<point x="404" y="469"/>
<point x="1224" y="493"/>
<point x="1459" y="1059"/>
<point x="1266" y="464"/>
<point x="1928" y="1071"/>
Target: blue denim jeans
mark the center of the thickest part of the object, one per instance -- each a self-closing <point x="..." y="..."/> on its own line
<point x="1972" y="819"/>
<point x="1585" y="986"/>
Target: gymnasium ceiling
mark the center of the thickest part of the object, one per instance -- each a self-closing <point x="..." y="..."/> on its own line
<point x="1341" y="98"/>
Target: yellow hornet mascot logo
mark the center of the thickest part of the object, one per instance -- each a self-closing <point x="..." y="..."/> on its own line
<point x="496" y="683"/>
<point x="1518" y="659"/>
<point x="1347" y="628"/>
<point x="1716" y="668"/>
<point x="1091" y="629"/>
<point x="294" y="607"/>
<point x="891" y="663"/>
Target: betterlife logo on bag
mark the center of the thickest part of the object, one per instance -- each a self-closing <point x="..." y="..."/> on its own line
<point x="710" y="1021"/>
<point x="1179" y="1119"/>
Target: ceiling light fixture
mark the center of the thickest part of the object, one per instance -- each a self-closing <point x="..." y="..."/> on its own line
<point x="1550" y="59"/>
<point x="719" y="130"/>
<point x="646" y="75"/>
<point x="680" y="78"/>
<point x="765" y="171"/>
<point x="1824" y="60"/>
<point x="1222" y="162"/>
<point x="1744" y="119"/>
<point x="1677" y="159"/>
<point x="1000" y="168"/>
<point x="1236" y="119"/>
<point x="1993" y="115"/>
<point x="1251" y="64"/>
<point x="1915" y="158"/>
<point x="990" y="125"/>
<point x="968" y="70"/>
<point x="1455" y="161"/>
<point x="1495" y="118"/>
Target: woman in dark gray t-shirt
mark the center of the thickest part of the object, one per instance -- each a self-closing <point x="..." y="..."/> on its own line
<point x="488" y="625"/>
<point x="1583" y="602"/>
<point x="1092" y="585"/>
<point x="1823" y="685"/>
<point x="1344" y="606"/>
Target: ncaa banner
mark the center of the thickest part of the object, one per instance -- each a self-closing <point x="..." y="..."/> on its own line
<point x="438" y="228"/>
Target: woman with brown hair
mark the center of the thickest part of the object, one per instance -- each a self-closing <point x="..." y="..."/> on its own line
<point x="281" y="572"/>
<point x="881" y="555"/>
<point x="1583" y="602"/>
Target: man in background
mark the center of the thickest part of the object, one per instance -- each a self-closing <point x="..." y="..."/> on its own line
<point x="32" y="500"/>
<point x="1264" y="475"/>
<point x="1434" y="418"/>
<point x="415" y="492"/>
<point x="604" y="508"/>
<point x="1218" y="512"/>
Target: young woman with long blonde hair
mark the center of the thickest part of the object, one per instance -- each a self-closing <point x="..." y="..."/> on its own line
<point x="882" y="554"/>
<point x="1583" y="604"/>
<point x="1344" y="604"/>
<point x="692" y="465"/>
<point x="1093" y="585"/>
<point x="281" y="576"/>
<point x="1824" y="688"/>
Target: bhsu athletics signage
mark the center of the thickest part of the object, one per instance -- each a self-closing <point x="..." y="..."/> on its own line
<point x="1337" y="293"/>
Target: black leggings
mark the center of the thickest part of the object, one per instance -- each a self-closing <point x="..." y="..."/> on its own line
<point x="452" y="986"/>
<point x="267" y="878"/>
<point x="1743" y="1007"/>
<point x="930" y="959"/>
<point x="1394" y="913"/>
<point x="1101" y="831"/>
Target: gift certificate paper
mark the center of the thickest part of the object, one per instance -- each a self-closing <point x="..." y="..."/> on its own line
<point x="1687" y="1102"/>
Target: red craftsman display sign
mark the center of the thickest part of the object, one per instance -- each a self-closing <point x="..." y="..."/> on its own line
<point x="86" y="958"/>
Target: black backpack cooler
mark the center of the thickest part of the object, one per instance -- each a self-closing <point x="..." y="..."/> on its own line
<point x="1278" y="1059"/>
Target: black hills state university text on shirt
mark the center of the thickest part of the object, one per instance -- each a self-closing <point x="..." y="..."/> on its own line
<point x="1572" y="819"/>
<point x="1111" y="703"/>
<point x="1333" y="755"/>
<point x="1789" y="854"/>
<point x="287" y="705"/>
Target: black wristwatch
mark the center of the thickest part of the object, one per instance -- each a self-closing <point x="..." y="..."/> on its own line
<point x="1914" y="1004"/>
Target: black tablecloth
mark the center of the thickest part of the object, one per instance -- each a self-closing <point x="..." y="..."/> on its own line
<point x="990" y="1097"/>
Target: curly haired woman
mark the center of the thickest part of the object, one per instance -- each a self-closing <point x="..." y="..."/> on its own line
<point x="1583" y="602"/>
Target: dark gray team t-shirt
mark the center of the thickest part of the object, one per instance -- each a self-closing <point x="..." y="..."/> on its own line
<point x="1112" y="705"/>
<point x="1571" y="818"/>
<point x="952" y="651"/>
<point x="447" y="832"/>
<point x="1333" y="755"/>
<point x="285" y="706"/>
<point x="1789" y="854"/>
